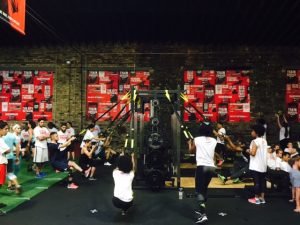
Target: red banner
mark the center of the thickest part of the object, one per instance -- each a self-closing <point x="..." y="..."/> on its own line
<point x="26" y="95"/>
<point x="292" y="96"/>
<point x="105" y="88"/>
<point x="219" y="95"/>
<point x="13" y="12"/>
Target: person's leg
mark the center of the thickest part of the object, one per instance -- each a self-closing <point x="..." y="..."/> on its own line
<point x="75" y="166"/>
<point x="92" y="173"/>
<point x="297" y="191"/>
<point x="204" y="175"/>
<point x="262" y="187"/>
<point x="73" y="155"/>
<point x="257" y="191"/>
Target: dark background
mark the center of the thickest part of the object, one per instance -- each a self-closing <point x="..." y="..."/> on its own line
<point x="218" y="22"/>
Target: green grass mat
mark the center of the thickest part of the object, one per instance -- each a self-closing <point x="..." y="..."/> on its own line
<point x="31" y="186"/>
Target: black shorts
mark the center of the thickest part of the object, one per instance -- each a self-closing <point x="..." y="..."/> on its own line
<point x="60" y="165"/>
<point x="24" y="144"/>
<point x="121" y="204"/>
<point x="220" y="148"/>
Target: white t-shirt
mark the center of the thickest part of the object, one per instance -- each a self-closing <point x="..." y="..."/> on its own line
<point x="88" y="136"/>
<point x="40" y="131"/>
<point x="222" y="132"/>
<point x="205" y="151"/>
<point x="277" y="162"/>
<point x="25" y="135"/>
<point x="285" y="166"/>
<point x="96" y="131"/>
<point x="259" y="161"/>
<point x="62" y="138"/>
<point x="70" y="131"/>
<point x="123" y="185"/>
<point x="271" y="161"/>
<point x="3" y="149"/>
<point x="282" y="132"/>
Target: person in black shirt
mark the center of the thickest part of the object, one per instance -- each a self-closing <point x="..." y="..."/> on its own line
<point x="59" y="158"/>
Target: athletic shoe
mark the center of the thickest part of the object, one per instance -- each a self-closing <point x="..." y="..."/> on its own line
<point x="254" y="201"/>
<point x="72" y="186"/>
<point x="92" y="178"/>
<point x="43" y="174"/>
<point x="198" y="213"/>
<point x="222" y="178"/>
<point x="2" y="205"/>
<point x="2" y="213"/>
<point x="262" y="201"/>
<point x="220" y="163"/>
<point x="235" y="181"/>
<point x="107" y="164"/>
<point x="203" y="218"/>
<point x="11" y="188"/>
<point x="39" y="176"/>
<point x="18" y="190"/>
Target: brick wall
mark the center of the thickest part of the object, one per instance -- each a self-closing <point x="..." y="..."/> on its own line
<point x="166" y="63"/>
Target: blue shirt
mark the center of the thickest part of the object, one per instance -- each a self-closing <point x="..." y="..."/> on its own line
<point x="11" y="141"/>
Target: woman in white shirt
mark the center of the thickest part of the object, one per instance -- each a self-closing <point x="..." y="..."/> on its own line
<point x="258" y="163"/>
<point x="123" y="176"/>
<point x="204" y="145"/>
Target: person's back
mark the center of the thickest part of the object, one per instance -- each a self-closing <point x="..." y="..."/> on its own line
<point x="205" y="150"/>
<point x="123" y="176"/>
<point x="123" y="185"/>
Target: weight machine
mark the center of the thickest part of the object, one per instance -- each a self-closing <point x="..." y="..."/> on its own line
<point x="157" y="150"/>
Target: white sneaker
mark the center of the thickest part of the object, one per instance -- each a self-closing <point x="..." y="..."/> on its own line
<point x="202" y="219"/>
<point x="107" y="164"/>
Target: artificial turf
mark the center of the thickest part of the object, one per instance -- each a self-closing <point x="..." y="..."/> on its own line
<point x="31" y="186"/>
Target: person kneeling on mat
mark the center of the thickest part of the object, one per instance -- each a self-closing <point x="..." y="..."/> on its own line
<point x="59" y="158"/>
<point x="123" y="176"/>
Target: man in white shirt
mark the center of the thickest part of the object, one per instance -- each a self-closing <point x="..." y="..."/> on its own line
<point x="279" y="177"/>
<point x="41" y="134"/>
<point x="62" y="134"/>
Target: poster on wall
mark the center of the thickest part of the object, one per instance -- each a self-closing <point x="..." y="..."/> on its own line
<point x="26" y="95"/>
<point x="220" y="95"/>
<point x="105" y="88"/>
<point x="292" y="96"/>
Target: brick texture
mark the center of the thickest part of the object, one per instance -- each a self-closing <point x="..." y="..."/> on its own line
<point x="166" y="62"/>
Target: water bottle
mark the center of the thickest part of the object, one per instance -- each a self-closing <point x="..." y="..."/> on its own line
<point x="180" y="194"/>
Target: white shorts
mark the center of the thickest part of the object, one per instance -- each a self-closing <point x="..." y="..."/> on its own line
<point x="40" y="155"/>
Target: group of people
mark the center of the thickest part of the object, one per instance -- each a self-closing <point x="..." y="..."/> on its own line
<point x="279" y="164"/>
<point x="48" y="144"/>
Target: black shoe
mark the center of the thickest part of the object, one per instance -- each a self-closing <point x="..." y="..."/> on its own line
<point x="2" y="205"/>
<point x="202" y="219"/>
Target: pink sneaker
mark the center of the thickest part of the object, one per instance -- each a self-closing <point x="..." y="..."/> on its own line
<point x="72" y="186"/>
<point x="254" y="201"/>
<point x="220" y="163"/>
